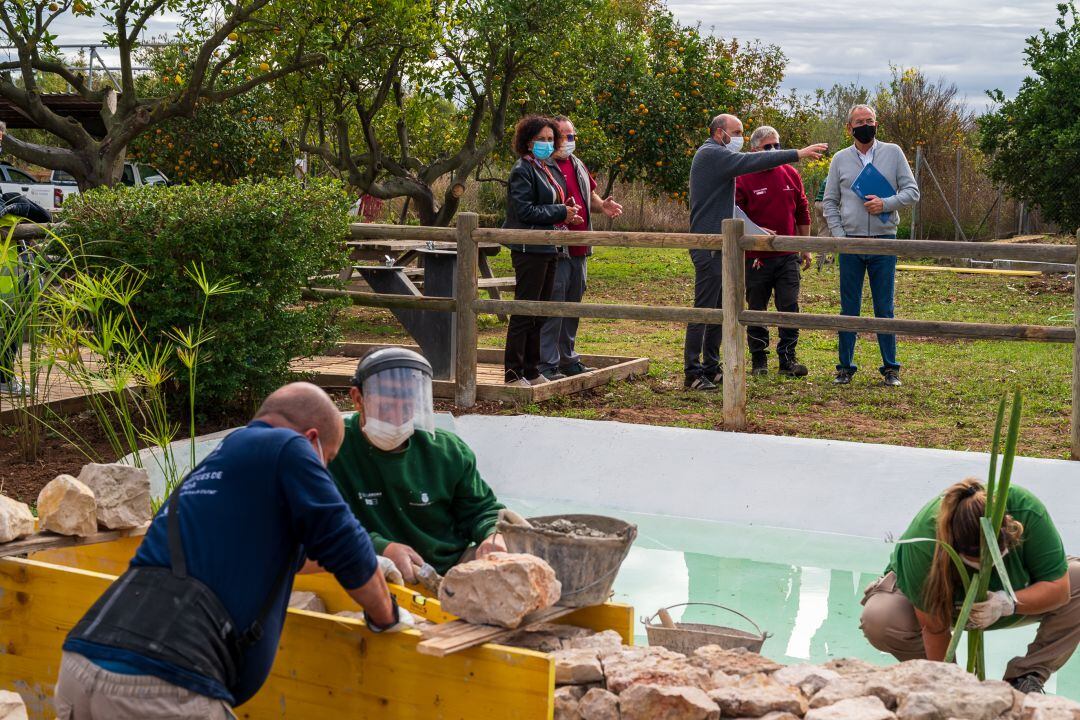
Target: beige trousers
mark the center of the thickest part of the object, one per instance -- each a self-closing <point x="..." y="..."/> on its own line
<point x="85" y="691"/>
<point x="889" y="623"/>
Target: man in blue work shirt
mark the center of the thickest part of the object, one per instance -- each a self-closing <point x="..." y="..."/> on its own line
<point x="192" y="627"/>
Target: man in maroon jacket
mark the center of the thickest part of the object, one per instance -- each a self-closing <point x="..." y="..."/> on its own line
<point x="776" y="201"/>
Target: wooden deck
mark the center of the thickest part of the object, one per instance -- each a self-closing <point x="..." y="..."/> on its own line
<point x="336" y="371"/>
<point x="59" y="394"/>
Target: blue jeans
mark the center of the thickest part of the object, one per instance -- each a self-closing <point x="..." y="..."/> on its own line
<point x="882" y="272"/>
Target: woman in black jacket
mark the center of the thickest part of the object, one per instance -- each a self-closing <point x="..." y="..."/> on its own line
<point x="536" y="200"/>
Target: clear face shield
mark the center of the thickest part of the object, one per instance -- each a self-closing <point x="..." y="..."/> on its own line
<point x="397" y="402"/>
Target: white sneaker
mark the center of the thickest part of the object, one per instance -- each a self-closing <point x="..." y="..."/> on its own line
<point x="539" y="380"/>
<point x="520" y="383"/>
<point x="14" y="386"/>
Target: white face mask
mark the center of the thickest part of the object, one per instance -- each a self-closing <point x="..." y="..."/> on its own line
<point x="735" y="142"/>
<point x="322" y="455"/>
<point x="568" y="148"/>
<point x="387" y="436"/>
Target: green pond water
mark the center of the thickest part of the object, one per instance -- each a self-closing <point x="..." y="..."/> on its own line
<point x="801" y="587"/>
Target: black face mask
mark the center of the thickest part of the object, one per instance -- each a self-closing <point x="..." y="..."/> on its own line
<point x="864" y="133"/>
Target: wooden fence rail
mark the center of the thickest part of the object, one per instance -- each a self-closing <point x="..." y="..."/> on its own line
<point x="733" y="316"/>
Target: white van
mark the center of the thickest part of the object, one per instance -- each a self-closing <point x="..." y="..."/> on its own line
<point x="135" y="174"/>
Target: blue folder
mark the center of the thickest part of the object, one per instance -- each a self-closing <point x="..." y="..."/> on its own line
<point x="872" y="182"/>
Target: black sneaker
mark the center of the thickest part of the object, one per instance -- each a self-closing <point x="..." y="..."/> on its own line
<point x="759" y="363"/>
<point x="718" y="377"/>
<point x="1029" y="683"/>
<point x="843" y="377"/>
<point x="791" y="367"/>
<point x="575" y="369"/>
<point x="892" y="378"/>
<point x="553" y="374"/>
<point x="701" y="383"/>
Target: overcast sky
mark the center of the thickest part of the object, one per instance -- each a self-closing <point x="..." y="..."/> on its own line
<point x="977" y="44"/>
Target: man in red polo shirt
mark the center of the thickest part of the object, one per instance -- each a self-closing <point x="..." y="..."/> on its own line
<point x="776" y="201"/>
<point x="558" y="358"/>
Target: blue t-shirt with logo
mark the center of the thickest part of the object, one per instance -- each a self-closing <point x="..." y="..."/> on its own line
<point x="259" y="500"/>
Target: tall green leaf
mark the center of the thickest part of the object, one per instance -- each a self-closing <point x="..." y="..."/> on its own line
<point x="961" y="621"/>
<point x="995" y="555"/>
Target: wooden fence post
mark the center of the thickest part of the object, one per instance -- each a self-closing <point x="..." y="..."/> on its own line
<point x="465" y="292"/>
<point x="734" y="334"/>
<point x="1076" y="357"/>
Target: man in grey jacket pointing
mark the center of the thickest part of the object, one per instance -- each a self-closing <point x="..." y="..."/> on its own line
<point x="849" y="215"/>
<point x="712" y="200"/>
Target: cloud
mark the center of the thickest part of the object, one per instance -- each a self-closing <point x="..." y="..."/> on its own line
<point x="977" y="44"/>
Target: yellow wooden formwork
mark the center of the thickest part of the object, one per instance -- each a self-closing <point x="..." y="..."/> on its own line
<point x="326" y="666"/>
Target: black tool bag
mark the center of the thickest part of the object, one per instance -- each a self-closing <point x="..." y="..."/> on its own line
<point x="167" y="615"/>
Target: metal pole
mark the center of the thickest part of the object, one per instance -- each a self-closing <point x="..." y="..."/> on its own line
<point x="732" y="333"/>
<point x="915" y="207"/>
<point x="956" y="234"/>
<point x="1076" y="358"/>
<point x="90" y="69"/>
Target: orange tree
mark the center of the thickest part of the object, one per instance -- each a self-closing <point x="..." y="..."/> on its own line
<point x="241" y="137"/>
<point x="642" y="89"/>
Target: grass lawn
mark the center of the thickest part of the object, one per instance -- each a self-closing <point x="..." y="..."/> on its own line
<point x="950" y="387"/>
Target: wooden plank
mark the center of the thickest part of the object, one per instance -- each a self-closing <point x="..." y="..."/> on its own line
<point x="878" y="246"/>
<point x="594" y="378"/>
<point x="969" y="270"/>
<point x="1076" y="359"/>
<point x="934" y="328"/>
<point x="45" y="540"/>
<point x="484" y="356"/>
<point x="465" y="318"/>
<point x="377" y="231"/>
<point x="540" y="308"/>
<point x="325" y="667"/>
<point x="383" y="300"/>
<point x="733" y="338"/>
<point x="453" y="637"/>
<point x="111" y="558"/>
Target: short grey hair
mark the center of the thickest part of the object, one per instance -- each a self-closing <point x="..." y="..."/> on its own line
<point x="759" y="135"/>
<point x="851" y="112"/>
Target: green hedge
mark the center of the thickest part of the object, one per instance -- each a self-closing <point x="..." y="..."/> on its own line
<point x="269" y="237"/>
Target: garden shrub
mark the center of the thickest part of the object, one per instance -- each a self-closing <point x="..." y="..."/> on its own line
<point x="269" y="236"/>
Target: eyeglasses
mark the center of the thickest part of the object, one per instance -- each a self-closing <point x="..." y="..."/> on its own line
<point x="771" y="146"/>
<point x="571" y="137"/>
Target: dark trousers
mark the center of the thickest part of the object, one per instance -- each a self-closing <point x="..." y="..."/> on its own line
<point x="881" y="270"/>
<point x="535" y="276"/>
<point x="559" y="336"/>
<point x="701" y="352"/>
<point x="764" y="277"/>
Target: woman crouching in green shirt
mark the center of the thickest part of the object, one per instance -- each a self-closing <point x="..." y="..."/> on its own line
<point x="415" y="489"/>
<point x="910" y="611"/>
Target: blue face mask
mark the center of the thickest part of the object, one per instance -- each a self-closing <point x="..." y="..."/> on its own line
<point x="542" y="150"/>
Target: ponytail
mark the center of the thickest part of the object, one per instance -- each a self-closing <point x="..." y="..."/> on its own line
<point x="958" y="524"/>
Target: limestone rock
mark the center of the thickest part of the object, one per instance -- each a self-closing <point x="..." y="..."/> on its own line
<point x="122" y="493"/>
<point x="16" y="520"/>
<point x="1049" y="707"/>
<point x="566" y="702"/>
<point x="861" y="708"/>
<point x="808" y="678"/>
<point x="659" y="702"/>
<point x="577" y="667"/>
<point x="757" y="695"/>
<point x="779" y="716"/>
<point x="599" y="704"/>
<point x="549" y="637"/>
<point x="737" y="661"/>
<point x="722" y="679"/>
<point x="501" y="589"/>
<point x="850" y="666"/>
<point x="304" y="600"/>
<point x="650" y="665"/>
<point x="66" y="507"/>
<point x="12" y="706"/>
<point x="601" y="640"/>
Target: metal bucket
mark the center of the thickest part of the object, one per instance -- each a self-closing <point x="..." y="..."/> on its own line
<point x="685" y="638"/>
<point x="586" y="566"/>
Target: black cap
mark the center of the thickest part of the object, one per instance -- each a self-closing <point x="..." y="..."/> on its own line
<point x="391" y="357"/>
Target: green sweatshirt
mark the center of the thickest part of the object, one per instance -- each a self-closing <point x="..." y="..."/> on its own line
<point x="428" y="496"/>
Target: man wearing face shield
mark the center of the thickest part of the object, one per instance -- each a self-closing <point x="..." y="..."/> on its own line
<point x="414" y="488"/>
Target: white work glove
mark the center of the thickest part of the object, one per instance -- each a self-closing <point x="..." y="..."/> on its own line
<point x="405" y="620"/>
<point x="390" y="570"/>
<point x="510" y="517"/>
<point x="996" y="606"/>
